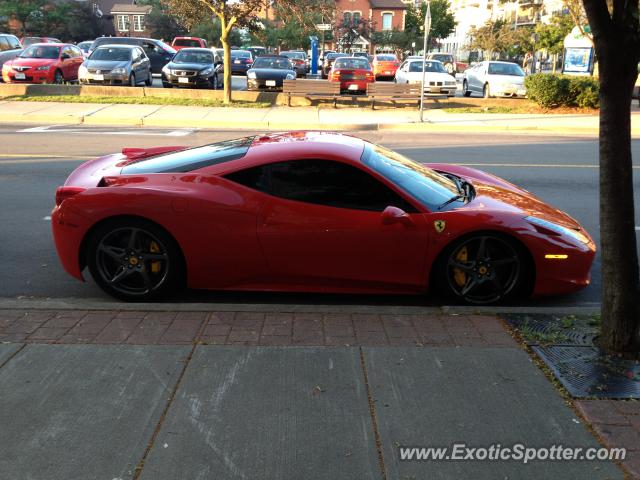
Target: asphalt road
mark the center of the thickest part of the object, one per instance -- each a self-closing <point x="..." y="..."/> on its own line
<point x="561" y="170"/>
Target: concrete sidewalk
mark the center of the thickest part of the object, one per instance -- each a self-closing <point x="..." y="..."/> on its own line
<point x="288" y="118"/>
<point x="279" y="395"/>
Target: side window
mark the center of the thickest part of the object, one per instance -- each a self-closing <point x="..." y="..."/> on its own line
<point x="76" y="52"/>
<point x="14" y="43"/>
<point x="67" y="52"/>
<point x="4" y="44"/>
<point x="321" y="182"/>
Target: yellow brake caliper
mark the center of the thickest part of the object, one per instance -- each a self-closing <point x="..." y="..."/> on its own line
<point x="155" y="265"/>
<point x="458" y="275"/>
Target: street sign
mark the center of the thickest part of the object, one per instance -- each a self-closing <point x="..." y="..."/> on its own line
<point x="323" y="26"/>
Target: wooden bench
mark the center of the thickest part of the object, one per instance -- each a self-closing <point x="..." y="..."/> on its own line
<point x="396" y="92"/>
<point x="312" y="89"/>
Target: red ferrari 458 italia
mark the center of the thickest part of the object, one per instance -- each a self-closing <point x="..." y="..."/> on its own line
<point x="312" y="212"/>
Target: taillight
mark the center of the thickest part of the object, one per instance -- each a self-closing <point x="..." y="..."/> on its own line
<point x="62" y="193"/>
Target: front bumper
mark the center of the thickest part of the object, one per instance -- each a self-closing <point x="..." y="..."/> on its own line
<point x="103" y="79"/>
<point x="264" y="84"/>
<point x="194" y="81"/>
<point x="68" y="231"/>
<point x="31" y="76"/>
<point x="508" y="91"/>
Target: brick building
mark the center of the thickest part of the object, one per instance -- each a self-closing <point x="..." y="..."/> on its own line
<point x="129" y="20"/>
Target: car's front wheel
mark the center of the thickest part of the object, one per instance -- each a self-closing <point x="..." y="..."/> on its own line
<point x="482" y="269"/>
<point x="465" y="89"/>
<point x="134" y="260"/>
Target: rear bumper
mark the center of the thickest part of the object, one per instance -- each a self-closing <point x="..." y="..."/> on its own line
<point x="352" y="86"/>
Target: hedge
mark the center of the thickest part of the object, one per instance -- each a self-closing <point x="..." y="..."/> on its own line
<point x="552" y="91"/>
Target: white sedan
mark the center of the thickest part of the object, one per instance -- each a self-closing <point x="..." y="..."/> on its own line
<point x="437" y="80"/>
<point x="494" y="79"/>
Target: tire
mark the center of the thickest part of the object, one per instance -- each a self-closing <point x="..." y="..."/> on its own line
<point x="149" y="81"/>
<point x="481" y="269"/>
<point x="135" y="260"/>
<point x="214" y="82"/>
<point x="465" y="89"/>
<point x="132" y="80"/>
<point x="58" y="78"/>
<point x="485" y="91"/>
<point x="166" y="85"/>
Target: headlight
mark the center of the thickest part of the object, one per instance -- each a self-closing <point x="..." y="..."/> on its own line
<point x="558" y="229"/>
<point x="43" y="68"/>
<point x="251" y="74"/>
<point x="166" y="70"/>
<point x="290" y="76"/>
<point x="450" y="84"/>
<point x="206" y="72"/>
<point x="119" y="71"/>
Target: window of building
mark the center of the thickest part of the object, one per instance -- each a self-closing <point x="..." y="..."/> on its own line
<point x="356" y="18"/>
<point x="123" y="23"/>
<point x="138" y="23"/>
<point x="347" y="18"/>
<point x="387" y="21"/>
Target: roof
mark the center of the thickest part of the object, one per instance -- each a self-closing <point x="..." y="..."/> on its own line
<point x="129" y="8"/>
<point x="388" y="4"/>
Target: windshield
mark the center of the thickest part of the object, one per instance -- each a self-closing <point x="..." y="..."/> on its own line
<point x="333" y="56"/>
<point x="41" y="51"/>
<point x="241" y="53"/>
<point x="114" y="54"/>
<point x="299" y="55"/>
<point x="422" y="183"/>
<point x="505" y="69"/>
<point x="273" y="62"/>
<point x="84" y="46"/>
<point x="192" y="158"/>
<point x="186" y="56"/>
<point x="186" y="42"/>
<point x="428" y="67"/>
<point x="442" y="57"/>
<point x="360" y="63"/>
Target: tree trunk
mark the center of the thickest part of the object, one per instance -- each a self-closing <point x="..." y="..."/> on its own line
<point x="620" y="279"/>
<point x="224" y="39"/>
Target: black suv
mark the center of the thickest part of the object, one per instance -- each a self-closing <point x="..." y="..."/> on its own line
<point x="10" y="47"/>
<point x="158" y="52"/>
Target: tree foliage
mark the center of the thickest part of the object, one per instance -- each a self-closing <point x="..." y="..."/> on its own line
<point x="492" y="37"/>
<point x="551" y="36"/>
<point x="443" y="22"/>
<point x="161" y="23"/>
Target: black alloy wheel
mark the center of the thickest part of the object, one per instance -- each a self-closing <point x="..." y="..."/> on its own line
<point x="134" y="260"/>
<point x="483" y="269"/>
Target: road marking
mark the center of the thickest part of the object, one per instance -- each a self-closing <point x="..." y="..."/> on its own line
<point x="51" y="129"/>
<point x="47" y="218"/>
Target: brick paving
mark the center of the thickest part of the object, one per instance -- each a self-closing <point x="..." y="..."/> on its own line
<point x="617" y="423"/>
<point x="251" y="328"/>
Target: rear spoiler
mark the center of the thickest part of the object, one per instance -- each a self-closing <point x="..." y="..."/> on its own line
<point x="134" y="154"/>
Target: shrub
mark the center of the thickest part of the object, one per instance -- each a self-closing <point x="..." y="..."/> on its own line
<point x="552" y="91"/>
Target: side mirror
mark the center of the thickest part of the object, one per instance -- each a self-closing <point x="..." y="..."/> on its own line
<point x="391" y="215"/>
<point x="65" y="56"/>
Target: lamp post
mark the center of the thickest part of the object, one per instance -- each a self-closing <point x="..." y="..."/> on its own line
<point x="427" y="29"/>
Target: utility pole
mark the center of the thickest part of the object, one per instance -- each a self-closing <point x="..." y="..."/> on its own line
<point x="427" y="29"/>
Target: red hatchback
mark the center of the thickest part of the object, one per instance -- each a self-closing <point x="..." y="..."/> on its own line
<point x="385" y="65"/>
<point x="353" y="73"/>
<point x="188" y="42"/>
<point x="310" y="211"/>
<point x="44" y="63"/>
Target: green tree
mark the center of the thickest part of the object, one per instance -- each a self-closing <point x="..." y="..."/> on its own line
<point x="443" y="22"/>
<point x="616" y="36"/>
<point x="551" y="36"/>
<point x="492" y="37"/>
<point x="26" y="12"/>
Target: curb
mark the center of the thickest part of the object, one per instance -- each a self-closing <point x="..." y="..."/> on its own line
<point x="80" y="304"/>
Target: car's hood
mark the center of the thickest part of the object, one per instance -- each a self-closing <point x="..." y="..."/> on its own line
<point x="188" y="66"/>
<point x="506" y="79"/>
<point x="31" y="62"/>
<point x="495" y="194"/>
<point x="272" y="73"/>
<point x="105" y="64"/>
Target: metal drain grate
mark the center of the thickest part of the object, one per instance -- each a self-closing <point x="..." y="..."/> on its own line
<point x="590" y="372"/>
<point x="550" y="329"/>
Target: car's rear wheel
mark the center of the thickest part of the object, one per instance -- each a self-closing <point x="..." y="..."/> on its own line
<point x="134" y="260"/>
<point x="465" y="89"/>
<point x="482" y="269"/>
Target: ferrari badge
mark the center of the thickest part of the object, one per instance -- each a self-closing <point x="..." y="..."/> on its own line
<point x="439" y="225"/>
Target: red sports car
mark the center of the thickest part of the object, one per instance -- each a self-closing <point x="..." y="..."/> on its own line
<point x="313" y="212"/>
<point x="44" y="63"/>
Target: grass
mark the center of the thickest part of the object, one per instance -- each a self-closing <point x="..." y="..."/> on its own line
<point x="188" y="102"/>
